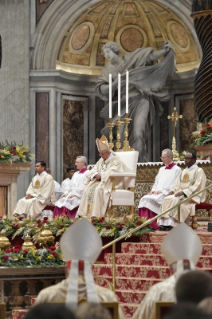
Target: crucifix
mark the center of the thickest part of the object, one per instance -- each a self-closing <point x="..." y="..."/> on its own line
<point x="174" y="117"/>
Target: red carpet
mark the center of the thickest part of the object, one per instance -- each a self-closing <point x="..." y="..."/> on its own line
<point x="140" y="265"/>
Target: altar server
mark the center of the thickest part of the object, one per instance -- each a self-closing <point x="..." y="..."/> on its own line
<point x="67" y="182"/>
<point x="191" y="180"/>
<point x="182" y="248"/>
<point x="149" y="205"/>
<point x="40" y="192"/>
<point x="70" y="200"/>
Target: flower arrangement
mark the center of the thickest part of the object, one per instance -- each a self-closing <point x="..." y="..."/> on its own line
<point x="52" y="256"/>
<point x="16" y="257"/>
<point x="14" y="152"/>
<point x="204" y="136"/>
<point x="119" y="227"/>
<point x="106" y="228"/>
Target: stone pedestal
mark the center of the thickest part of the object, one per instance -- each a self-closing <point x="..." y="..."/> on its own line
<point x="8" y="177"/>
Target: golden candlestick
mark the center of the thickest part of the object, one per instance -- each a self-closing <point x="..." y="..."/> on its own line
<point x="110" y="124"/>
<point x="118" y="142"/>
<point x="126" y="147"/>
<point x="174" y="117"/>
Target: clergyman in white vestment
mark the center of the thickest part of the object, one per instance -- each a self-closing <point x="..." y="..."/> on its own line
<point x="65" y="185"/>
<point x="98" y="190"/>
<point x="38" y="195"/>
<point x="70" y="200"/>
<point x="182" y="249"/>
<point x="191" y="180"/>
<point x="149" y="205"/>
<point x="55" y="196"/>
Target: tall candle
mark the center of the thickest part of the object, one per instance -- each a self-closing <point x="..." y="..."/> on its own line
<point x="110" y="95"/>
<point x="119" y="94"/>
<point x="127" y="91"/>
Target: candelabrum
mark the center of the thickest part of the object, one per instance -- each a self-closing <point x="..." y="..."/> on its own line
<point x="110" y="124"/>
<point x="118" y="138"/>
<point x="126" y="146"/>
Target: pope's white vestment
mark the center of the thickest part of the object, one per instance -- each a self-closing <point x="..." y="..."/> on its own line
<point x="42" y="189"/>
<point x="164" y="182"/>
<point x="190" y="181"/>
<point x="97" y="193"/>
<point x="57" y="293"/>
<point x="163" y="291"/>
<point x="76" y="187"/>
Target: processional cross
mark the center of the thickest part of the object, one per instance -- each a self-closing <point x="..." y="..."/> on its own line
<point x="174" y="117"/>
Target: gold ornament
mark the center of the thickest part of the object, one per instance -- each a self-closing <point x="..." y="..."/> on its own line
<point x="37" y="184"/>
<point x="28" y="244"/>
<point x="186" y="178"/>
<point x="46" y="236"/>
<point x="4" y="241"/>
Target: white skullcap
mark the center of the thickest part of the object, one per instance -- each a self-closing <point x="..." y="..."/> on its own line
<point x="182" y="243"/>
<point x="81" y="241"/>
<point x="102" y="144"/>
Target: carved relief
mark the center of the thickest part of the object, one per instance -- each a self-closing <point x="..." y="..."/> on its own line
<point x="137" y="24"/>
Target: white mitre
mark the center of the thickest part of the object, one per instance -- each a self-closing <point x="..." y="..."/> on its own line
<point x="180" y="245"/>
<point x="102" y="144"/>
<point x="81" y="241"/>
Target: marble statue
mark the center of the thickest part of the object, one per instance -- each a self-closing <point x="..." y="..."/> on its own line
<point x="146" y="81"/>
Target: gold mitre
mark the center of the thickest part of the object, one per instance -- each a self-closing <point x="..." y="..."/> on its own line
<point x="102" y="144"/>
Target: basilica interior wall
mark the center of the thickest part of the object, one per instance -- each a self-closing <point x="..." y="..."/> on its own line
<point x="31" y="37"/>
<point x="14" y="76"/>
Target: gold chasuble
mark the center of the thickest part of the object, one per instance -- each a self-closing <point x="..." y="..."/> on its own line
<point x="42" y="189"/>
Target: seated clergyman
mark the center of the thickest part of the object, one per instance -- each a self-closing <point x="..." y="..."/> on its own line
<point x="191" y="180"/>
<point x="69" y="202"/>
<point x="66" y="183"/>
<point x="149" y="205"/>
<point x="41" y="190"/>
<point x="97" y="192"/>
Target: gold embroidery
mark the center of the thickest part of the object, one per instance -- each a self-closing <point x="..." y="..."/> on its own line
<point x="186" y="178"/>
<point x="37" y="184"/>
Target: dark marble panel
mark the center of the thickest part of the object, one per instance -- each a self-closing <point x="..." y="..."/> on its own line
<point x="100" y="123"/>
<point x="73" y="132"/>
<point x="41" y="6"/>
<point x="164" y="127"/>
<point x="42" y="126"/>
<point x="188" y="123"/>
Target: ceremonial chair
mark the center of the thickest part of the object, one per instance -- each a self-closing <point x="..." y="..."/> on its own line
<point x="125" y="196"/>
<point x="161" y="308"/>
<point x="207" y="206"/>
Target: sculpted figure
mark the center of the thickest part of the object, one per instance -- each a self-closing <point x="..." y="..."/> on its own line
<point x="146" y="81"/>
